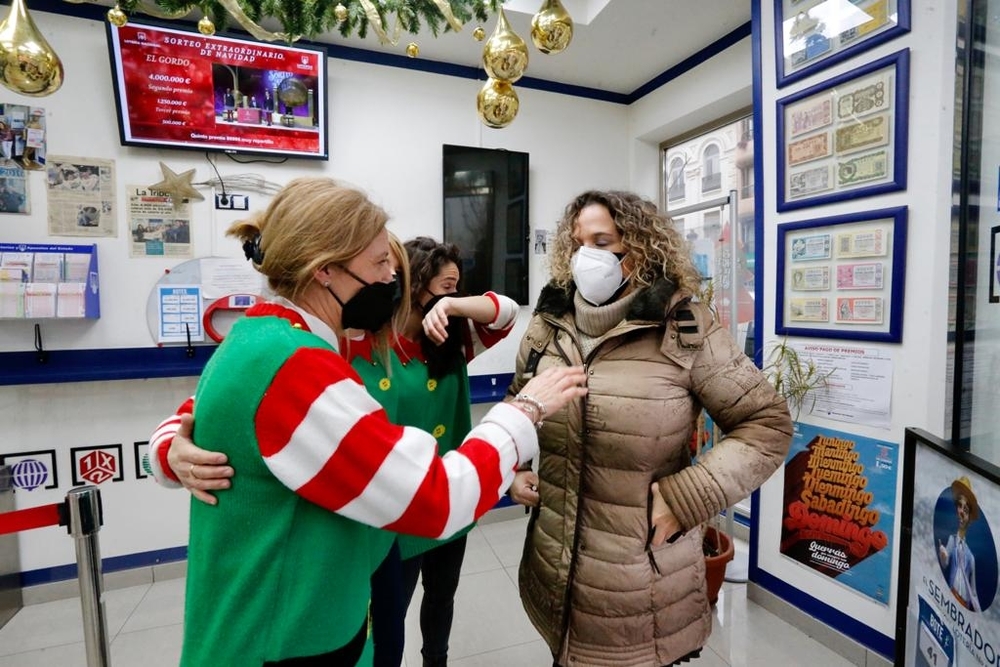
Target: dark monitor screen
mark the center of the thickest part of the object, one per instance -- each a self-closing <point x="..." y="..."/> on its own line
<point x="486" y="216"/>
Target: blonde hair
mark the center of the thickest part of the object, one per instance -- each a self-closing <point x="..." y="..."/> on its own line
<point x="311" y="223"/>
<point x="654" y="248"/>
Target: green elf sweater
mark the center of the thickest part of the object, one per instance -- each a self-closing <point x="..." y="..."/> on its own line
<point x="280" y="567"/>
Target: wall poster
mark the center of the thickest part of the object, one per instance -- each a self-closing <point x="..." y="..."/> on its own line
<point x="952" y="617"/>
<point x="839" y="507"/>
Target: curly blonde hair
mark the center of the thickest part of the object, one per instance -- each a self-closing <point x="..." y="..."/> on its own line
<point x="654" y="248"/>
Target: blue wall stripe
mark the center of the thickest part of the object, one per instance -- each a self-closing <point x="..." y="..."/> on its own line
<point x="48" y="575"/>
<point x="689" y="63"/>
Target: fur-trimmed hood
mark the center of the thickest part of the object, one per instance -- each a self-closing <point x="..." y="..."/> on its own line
<point x="652" y="304"/>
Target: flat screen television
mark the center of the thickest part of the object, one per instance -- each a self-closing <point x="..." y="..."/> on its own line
<point x="179" y="89"/>
<point x="486" y="216"/>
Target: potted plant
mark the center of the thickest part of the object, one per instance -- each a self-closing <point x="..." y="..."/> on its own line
<point x="794" y="378"/>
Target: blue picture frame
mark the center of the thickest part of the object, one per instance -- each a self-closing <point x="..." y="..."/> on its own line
<point x="816" y="126"/>
<point x="824" y="48"/>
<point x="829" y="244"/>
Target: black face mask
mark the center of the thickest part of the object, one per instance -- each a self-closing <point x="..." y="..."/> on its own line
<point x="371" y="308"/>
<point x="445" y="358"/>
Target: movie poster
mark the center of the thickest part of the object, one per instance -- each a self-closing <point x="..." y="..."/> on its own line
<point x="953" y="617"/>
<point x="839" y="507"/>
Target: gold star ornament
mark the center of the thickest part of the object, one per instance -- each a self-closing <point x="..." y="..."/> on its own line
<point x="178" y="186"/>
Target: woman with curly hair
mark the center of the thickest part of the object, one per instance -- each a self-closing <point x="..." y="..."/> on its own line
<point x="613" y="571"/>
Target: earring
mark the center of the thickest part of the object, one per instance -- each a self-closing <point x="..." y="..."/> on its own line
<point x="326" y="285"/>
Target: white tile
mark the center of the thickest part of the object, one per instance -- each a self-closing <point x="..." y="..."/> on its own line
<point x="490" y="627"/>
<point x="532" y="654"/>
<point x="742" y="632"/>
<point x="69" y="655"/>
<point x="479" y="556"/>
<point x="162" y="605"/>
<point x="507" y="539"/>
<point x="153" y="647"/>
<point x="61" y="621"/>
<point x="488" y="616"/>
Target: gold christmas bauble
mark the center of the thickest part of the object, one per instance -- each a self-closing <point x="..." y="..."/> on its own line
<point x="497" y="104"/>
<point x="205" y="26"/>
<point x="28" y="65"/>
<point x="117" y="17"/>
<point x="340" y="12"/>
<point x="505" y="56"/>
<point x="551" y="27"/>
<point x="479" y="34"/>
<point x="412" y="50"/>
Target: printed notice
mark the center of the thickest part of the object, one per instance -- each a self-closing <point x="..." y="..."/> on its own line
<point x="858" y="387"/>
<point x="180" y="314"/>
<point x="810" y="181"/>
<point x="866" y="243"/>
<point x="860" y="276"/>
<point x="81" y="197"/>
<point x="808" y="310"/>
<point x="860" y="310"/>
<point x="811" y="279"/>
<point x="807" y="248"/>
<point x="159" y="229"/>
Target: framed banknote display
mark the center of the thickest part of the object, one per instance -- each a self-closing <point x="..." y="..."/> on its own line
<point x="846" y="137"/>
<point x="811" y="35"/>
<point x="842" y="276"/>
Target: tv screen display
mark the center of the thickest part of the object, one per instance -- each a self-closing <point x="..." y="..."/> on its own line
<point x="486" y="216"/>
<point x="178" y="89"/>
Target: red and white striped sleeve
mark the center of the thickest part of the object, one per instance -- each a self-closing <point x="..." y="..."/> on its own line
<point x="159" y="445"/>
<point x="323" y="436"/>
<point x="485" y="336"/>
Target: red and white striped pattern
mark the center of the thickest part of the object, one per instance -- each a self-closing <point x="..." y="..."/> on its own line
<point x="324" y="437"/>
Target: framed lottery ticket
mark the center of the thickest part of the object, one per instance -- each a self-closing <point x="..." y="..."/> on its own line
<point x="842" y="276"/>
<point x="811" y="35"/>
<point x="845" y="138"/>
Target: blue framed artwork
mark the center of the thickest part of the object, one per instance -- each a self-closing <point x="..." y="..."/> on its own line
<point x="843" y="276"/>
<point x="811" y="35"/>
<point x="846" y="137"/>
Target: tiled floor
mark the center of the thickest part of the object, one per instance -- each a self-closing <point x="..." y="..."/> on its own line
<point x="491" y="630"/>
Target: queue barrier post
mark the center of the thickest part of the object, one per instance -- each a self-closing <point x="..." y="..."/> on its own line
<point x="85" y="519"/>
<point x="82" y="515"/>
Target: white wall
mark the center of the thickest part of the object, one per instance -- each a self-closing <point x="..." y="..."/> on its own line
<point x="713" y="90"/>
<point x="387" y="126"/>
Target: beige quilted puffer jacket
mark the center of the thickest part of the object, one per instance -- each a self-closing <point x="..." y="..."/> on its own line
<point x="589" y="580"/>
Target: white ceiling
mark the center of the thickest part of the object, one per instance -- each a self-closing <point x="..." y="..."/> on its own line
<point x="625" y="44"/>
<point x="618" y="45"/>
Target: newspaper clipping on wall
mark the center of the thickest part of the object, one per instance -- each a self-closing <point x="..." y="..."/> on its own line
<point x="158" y="229"/>
<point x="22" y="136"/>
<point x="13" y="189"/>
<point x="81" y="197"/>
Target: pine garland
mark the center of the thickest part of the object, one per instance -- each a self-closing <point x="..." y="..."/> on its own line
<point x="310" y="18"/>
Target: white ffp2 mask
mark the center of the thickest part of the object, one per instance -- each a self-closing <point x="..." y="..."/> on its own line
<point x="597" y="274"/>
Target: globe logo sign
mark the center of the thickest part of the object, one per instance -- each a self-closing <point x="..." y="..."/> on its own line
<point x="29" y="474"/>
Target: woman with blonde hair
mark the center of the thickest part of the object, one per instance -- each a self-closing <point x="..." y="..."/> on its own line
<point x="279" y="564"/>
<point x="612" y="571"/>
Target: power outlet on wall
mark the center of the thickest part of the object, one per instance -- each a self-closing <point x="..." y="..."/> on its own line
<point x="231" y="202"/>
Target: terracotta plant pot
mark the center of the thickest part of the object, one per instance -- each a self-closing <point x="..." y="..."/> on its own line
<point x="719" y="551"/>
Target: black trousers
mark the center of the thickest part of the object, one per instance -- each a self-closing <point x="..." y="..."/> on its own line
<point x="439" y="570"/>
